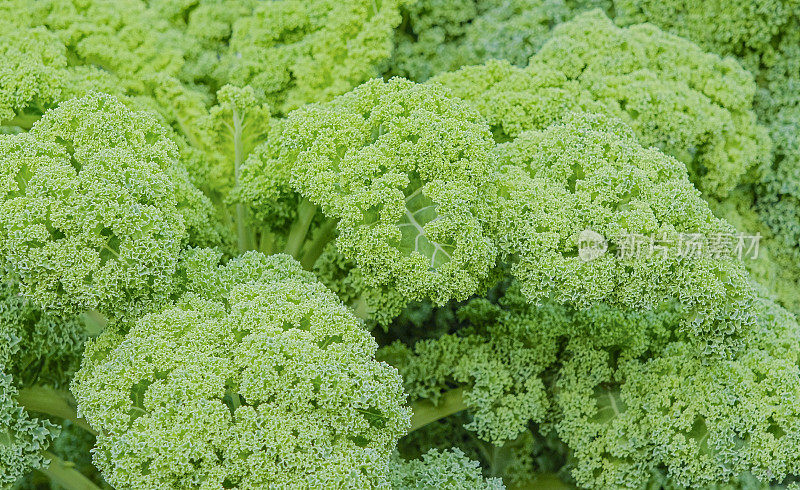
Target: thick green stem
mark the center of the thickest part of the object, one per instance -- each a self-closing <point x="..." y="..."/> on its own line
<point x="64" y="475"/>
<point x="23" y="120"/>
<point x="299" y="230"/>
<point x="241" y="228"/>
<point x="50" y="401"/>
<point x="323" y="236"/>
<point x="266" y="243"/>
<point x="244" y="235"/>
<point x="548" y="481"/>
<point x="425" y="412"/>
<point x="499" y="459"/>
<point x="220" y="204"/>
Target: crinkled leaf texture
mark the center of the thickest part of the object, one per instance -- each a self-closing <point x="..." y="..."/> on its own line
<point x="406" y="171"/>
<point x="89" y="216"/>
<point x="267" y="379"/>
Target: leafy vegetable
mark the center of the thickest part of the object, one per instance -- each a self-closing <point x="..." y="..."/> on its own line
<point x="399" y="244"/>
